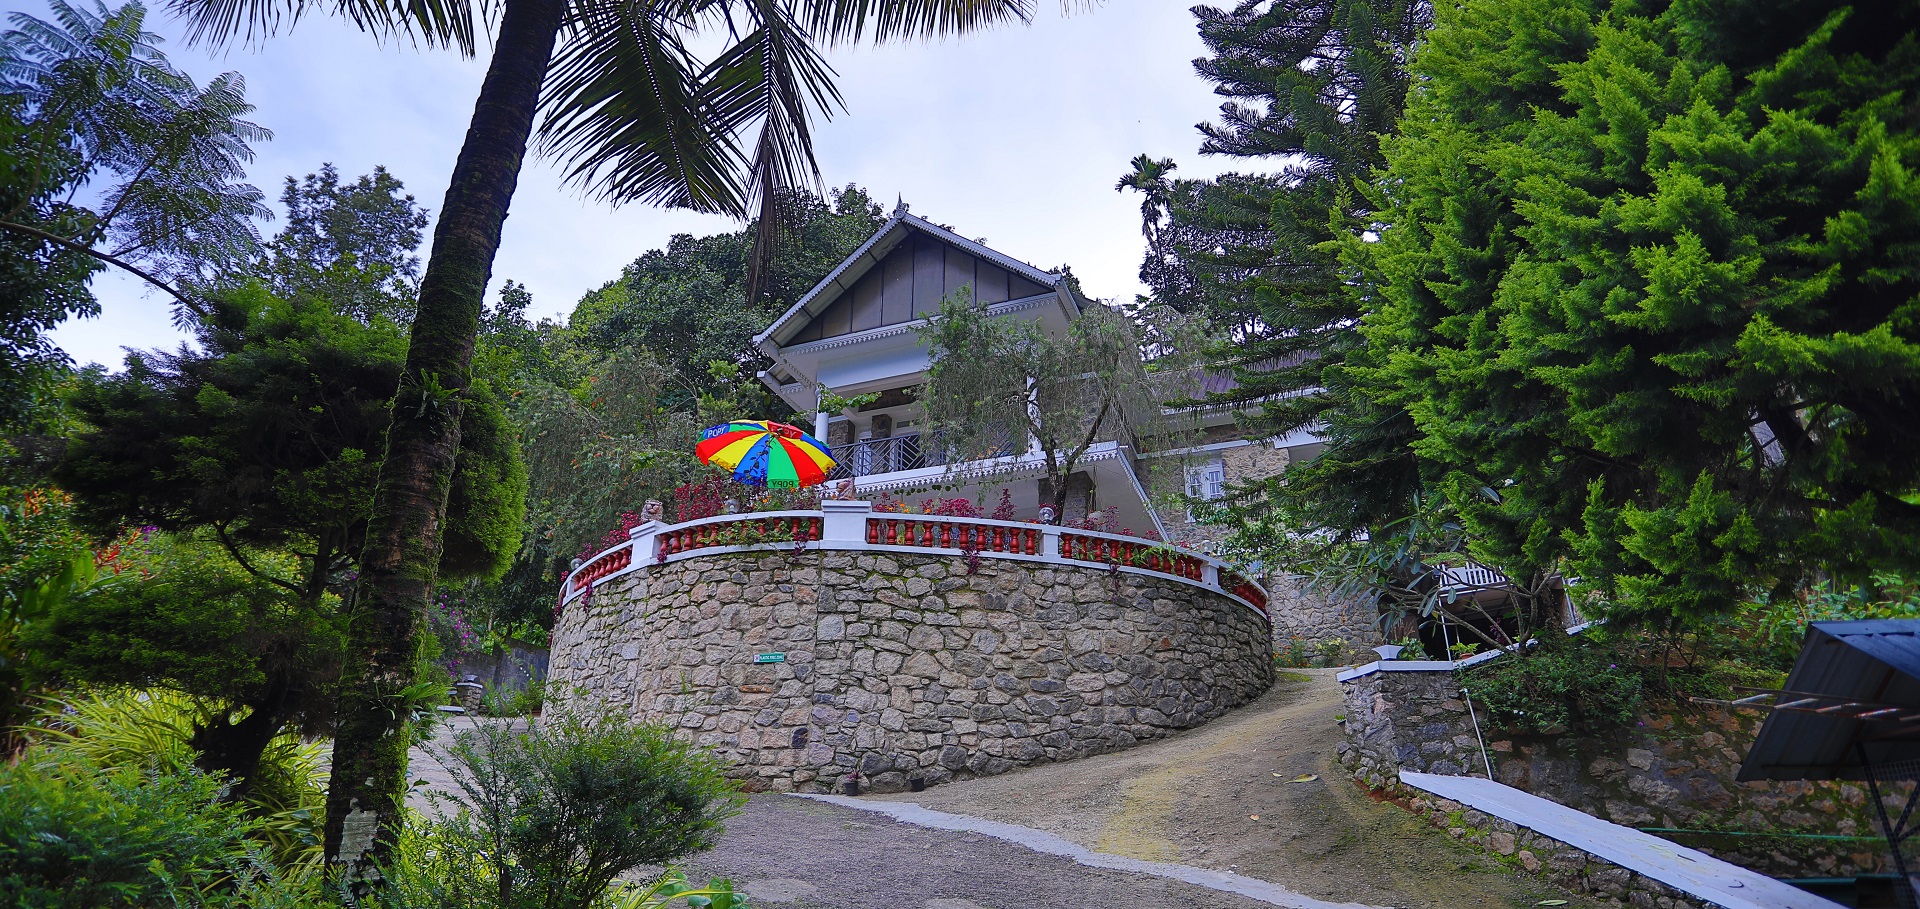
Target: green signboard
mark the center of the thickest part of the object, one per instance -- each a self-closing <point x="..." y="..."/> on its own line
<point x="769" y="657"/>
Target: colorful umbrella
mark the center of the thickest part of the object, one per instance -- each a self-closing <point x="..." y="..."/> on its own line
<point x="763" y="453"/>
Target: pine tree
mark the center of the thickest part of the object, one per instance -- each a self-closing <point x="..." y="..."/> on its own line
<point x="1645" y="288"/>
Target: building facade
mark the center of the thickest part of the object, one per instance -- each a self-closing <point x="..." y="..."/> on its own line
<point x="857" y="333"/>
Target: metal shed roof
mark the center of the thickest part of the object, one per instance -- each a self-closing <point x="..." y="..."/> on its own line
<point x="1860" y="686"/>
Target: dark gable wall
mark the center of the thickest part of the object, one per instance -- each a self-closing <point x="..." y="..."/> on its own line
<point x="910" y="283"/>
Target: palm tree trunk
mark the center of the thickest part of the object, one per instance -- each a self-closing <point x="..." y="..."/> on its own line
<point x="365" y="798"/>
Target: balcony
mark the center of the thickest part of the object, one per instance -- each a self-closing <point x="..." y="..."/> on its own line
<point x="900" y="453"/>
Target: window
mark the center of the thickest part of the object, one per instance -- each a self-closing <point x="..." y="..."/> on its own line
<point x="1206" y="482"/>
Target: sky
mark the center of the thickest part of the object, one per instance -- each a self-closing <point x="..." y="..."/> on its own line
<point x="1016" y="135"/>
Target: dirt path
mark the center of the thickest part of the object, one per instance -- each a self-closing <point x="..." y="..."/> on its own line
<point x="1188" y="800"/>
<point x="1221" y="797"/>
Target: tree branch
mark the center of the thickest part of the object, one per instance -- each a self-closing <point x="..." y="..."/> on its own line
<point x="190" y="303"/>
<point x="233" y="549"/>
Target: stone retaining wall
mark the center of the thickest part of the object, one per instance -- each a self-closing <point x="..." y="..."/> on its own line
<point x="905" y="667"/>
<point x="1532" y="851"/>
<point x="1670" y="771"/>
<point x="1315" y="619"/>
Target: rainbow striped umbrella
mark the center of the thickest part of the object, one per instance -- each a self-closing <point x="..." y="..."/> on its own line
<point x="764" y="453"/>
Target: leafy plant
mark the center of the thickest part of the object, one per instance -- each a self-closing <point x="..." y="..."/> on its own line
<point x="1293" y="655"/>
<point x="549" y="817"/>
<point x="1579" y="684"/>
<point x="285" y="798"/>
<point x="75" y="832"/>
<point x="1331" y="652"/>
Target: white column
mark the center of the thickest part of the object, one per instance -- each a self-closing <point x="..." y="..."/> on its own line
<point x="646" y="543"/>
<point x="1050" y="541"/>
<point x="820" y="425"/>
<point x="845" y="522"/>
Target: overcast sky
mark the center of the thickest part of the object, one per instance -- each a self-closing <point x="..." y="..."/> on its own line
<point x="1016" y="135"/>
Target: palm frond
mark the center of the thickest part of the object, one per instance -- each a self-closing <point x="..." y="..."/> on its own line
<point x="625" y="108"/>
<point x="844" y="21"/>
<point x="438" y="23"/>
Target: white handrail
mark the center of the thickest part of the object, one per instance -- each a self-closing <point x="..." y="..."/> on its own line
<point x="644" y="545"/>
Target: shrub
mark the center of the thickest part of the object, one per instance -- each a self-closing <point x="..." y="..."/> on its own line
<point x="1778" y="625"/>
<point x="77" y="833"/>
<point x="287" y="795"/>
<point x="549" y="817"/>
<point x="1293" y="656"/>
<point x="1578" y="684"/>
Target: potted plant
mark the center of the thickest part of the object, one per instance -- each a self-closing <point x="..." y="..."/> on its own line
<point x="850" y="784"/>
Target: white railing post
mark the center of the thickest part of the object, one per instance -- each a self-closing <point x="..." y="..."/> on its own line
<point x="646" y="542"/>
<point x="844" y="521"/>
<point x="1050" y="541"/>
<point x="1210" y="575"/>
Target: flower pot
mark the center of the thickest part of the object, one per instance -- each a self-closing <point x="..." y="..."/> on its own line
<point x="916" y="784"/>
<point x="850" y="787"/>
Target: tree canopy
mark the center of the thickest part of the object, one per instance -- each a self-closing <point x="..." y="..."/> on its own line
<point x="88" y="101"/>
<point x="1644" y="286"/>
<point x="687" y="304"/>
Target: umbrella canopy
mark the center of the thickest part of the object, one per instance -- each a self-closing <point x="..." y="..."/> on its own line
<point x="764" y="453"/>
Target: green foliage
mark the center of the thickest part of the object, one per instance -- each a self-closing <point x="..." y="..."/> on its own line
<point x="285" y="800"/>
<point x="1776" y="627"/>
<point x="1578" y="684"/>
<point x="271" y="434"/>
<point x="1314" y="87"/>
<point x="186" y="616"/>
<point x="687" y="304"/>
<point x="44" y="562"/>
<point x="351" y="244"/>
<point x="994" y="382"/>
<point x="1644" y="271"/>
<point x="615" y="445"/>
<point x="87" y="100"/>
<point x="79" y="834"/>
<point x="549" y="817"/>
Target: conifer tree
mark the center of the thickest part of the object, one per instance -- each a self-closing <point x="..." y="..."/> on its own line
<point x="1645" y="287"/>
<point x="1313" y="86"/>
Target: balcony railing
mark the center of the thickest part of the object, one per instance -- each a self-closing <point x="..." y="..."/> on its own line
<point x="854" y="526"/>
<point x="907" y="452"/>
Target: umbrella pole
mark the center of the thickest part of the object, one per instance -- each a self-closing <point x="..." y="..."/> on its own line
<point x="1892" y="831"/>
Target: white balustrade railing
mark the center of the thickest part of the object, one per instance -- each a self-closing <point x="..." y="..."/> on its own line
<point x="841" y="525"/>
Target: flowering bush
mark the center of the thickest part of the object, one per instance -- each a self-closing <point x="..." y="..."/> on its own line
<point x="951" y="508"/>
<point x="704" y="499"/>
<point x="447" y="618"/>
<point x="1004" y="511"/>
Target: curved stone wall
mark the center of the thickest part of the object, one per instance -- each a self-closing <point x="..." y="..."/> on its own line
<point x="905" y="666"/>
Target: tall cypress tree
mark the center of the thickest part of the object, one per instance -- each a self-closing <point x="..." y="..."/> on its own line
<point x="1645" y="287"/>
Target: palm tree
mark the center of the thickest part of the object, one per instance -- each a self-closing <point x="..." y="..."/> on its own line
<point x="1150" y="178"/>
<point x="638" y="118"/>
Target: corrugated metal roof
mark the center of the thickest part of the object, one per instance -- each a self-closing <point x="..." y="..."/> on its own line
<point x="1875" y="661"/>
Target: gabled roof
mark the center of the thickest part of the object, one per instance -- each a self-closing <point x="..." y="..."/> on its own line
<point x="898" y="229"/>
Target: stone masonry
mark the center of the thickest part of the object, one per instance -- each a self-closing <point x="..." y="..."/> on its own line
<point x="1309" y="616"/>
<point x="1673" y="771"/>
<point x="905" y="667"/>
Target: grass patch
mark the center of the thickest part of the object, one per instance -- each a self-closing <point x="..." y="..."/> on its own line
<point x="1292" y="677"/>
